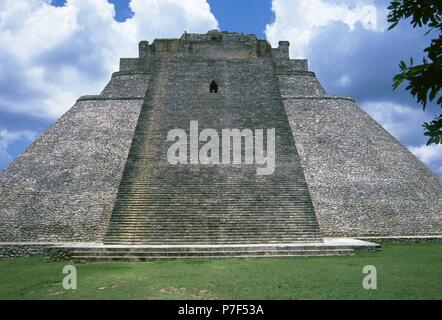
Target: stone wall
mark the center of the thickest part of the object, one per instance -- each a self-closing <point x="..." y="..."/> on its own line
<point x="363" y="182"/>
<point x="13" y="250"/>
<point x="62" y="187"/>
<point x="134" y="64"/>
<point x="127" y="84"/>
<point x="299" y="84"/>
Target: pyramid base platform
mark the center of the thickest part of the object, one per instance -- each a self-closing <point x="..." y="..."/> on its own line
<point x="86" y="252"/>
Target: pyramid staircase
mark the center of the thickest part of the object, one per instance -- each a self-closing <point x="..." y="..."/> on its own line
<point x="194" y="210"/>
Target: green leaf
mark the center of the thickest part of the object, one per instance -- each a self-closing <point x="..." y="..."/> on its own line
<point x="393" y="25"/>
<point x="403" y="65"/>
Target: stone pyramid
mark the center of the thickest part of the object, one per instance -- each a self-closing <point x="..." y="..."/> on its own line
<point x="100" y="174"/>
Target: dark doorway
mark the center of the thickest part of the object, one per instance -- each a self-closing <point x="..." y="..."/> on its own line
<point x="213" y="87"/>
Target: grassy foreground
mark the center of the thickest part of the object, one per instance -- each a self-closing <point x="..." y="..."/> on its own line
<point x="405" y="271"/>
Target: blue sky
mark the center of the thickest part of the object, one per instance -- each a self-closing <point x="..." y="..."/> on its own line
<point x="55" y="51"/>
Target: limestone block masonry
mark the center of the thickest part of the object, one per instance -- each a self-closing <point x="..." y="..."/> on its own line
<point x="100" y="173"/>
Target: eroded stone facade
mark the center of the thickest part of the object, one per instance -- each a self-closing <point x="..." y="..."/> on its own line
<point x="360" y="180"/>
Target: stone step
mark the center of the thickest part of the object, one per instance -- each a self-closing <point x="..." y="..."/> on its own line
<point x="192" y="228"/>
<point x="245" y="207"/>
<point x="86" y="253"/>
<point x="232" y="190"/>
<point x="198" y="213"/>
<point x="195" y="228"/>
<point x="213" y="184"/>
<point x="210" y="224"/>
<point x="184" y="239"/>
<point x="296" y="191"/>
<point x="144" y="196"/>
<point x="146" y="184"/>
<point x="209" y="248"/>
<point x="200" y="210"/>
<point x="140" y="259"/>
<point x="160" y="203"/>
<point x="212" y="231"/>
<point x="208" y="235"/>
<point x="146" y="241"/>
<point x="213" y="222"/>
<point x="204" y="234"/>
<point x="264" y="223"/>
<point x="173" y="243"/>
<point x="201" y="215"/>
<point x="121" y="255"/>
<point x="141" y="253"/>
<point x="232" y="202"/>
<point x="211" y="235"/>
<point x="159" y="238"/>
<point x="238" y="199"/>
<point x="241" y="205"/>
<point x="228" y="238"/>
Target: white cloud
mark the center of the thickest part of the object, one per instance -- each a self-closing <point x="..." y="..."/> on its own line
<point x="405" y="123"/>
<point x="352" y="53"/>
<point x="399" y="120"/>
<point x="49" y="56"/>
<point x="430" y="155"/>
<point x="169" y="18"/>
<point x="343" y="81"/>
<point x="7" y="138"/>
<point x="297" y="21"/>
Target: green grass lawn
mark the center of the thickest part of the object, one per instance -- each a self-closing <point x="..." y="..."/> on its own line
<point x="405" y="271"/>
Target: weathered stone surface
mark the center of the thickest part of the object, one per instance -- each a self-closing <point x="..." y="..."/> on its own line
<point x="127" y="84"/>
<point x="299" y="84"/>
<point x="80" y="252"/>
<point x="361" y="181"/>
<point x="62" y="188"/>
<point x="163" y="203"/>
<point x="13" y="250"/>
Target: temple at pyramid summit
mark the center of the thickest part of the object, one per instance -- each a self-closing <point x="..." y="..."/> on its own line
<point x="99" y="183"/>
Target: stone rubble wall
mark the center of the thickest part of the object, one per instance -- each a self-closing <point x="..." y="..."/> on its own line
<point x="363" y="182"/>
<point x="126" y="84"/>
<point x="13" y="250"/>
<point x="296" y="84"/>
<point x="63" y="186"/>
<point x="134" y="64"/>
